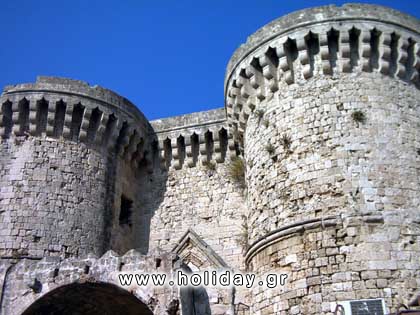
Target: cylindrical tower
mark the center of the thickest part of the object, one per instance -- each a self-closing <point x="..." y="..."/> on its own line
<point x="325" y="105"/>
<point x="63" y="144"/>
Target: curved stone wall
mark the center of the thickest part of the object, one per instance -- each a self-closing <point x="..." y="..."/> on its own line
<point x="337" y="169"/>
<point x="326" y="112"/>
<point x="62" y="145"/>
<point x="324" y="162"/>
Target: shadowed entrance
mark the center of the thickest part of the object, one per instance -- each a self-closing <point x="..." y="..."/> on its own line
<point x="88" y="298"/>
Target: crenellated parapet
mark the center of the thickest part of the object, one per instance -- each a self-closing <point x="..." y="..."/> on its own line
<point x="321" y="42"/>
<point x="74" y="111"/>
<point x="194" y="139"/>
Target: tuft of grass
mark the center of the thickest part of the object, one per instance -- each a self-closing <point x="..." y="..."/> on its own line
<point x="266" y="123"/>
<point x="286" y="142"/>
<point x="358" y="116"/>
<point x="250" y="163"/>
<point x="270" y="148"/>
<point x="242" y="240"/>
<point x="260" y="114"/>
<point x="285" y="193"/>
<point x="210" y="166"/>
<point x="237" y="170"/>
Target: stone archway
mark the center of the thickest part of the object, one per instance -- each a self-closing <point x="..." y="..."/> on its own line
<point x="88" y="299"/>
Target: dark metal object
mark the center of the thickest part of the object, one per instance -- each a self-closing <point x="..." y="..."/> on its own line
<point x="403" y="309"/>
<point x="339" y="310"/>
<point x="173" y="307"/>
<point x="415" y="302"/>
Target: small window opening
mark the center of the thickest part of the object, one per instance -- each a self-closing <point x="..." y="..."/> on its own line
<point x="125" y="211"/>
<point x="158" y="262"/>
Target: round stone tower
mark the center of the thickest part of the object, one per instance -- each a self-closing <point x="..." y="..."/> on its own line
<point x="324" y="103"/>
<point x="64" y="146"/>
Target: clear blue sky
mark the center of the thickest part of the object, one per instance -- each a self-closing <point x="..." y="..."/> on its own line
<point x="168" y="57"/>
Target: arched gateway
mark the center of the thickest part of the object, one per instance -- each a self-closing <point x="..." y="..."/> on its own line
<point x="88" y="298"/>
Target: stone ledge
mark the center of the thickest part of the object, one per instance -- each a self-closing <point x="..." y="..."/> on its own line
<point x="298" y="227"/>
<point x="188" y="121"/>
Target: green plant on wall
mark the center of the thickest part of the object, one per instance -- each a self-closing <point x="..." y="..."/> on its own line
<point x="286" y="142"/>
<point x="358" y="116"/>
<point x="260" y="114"/>
<point x="270" y="148"/>
<point x="266" y="123"/>
<point x="210" y="166"/>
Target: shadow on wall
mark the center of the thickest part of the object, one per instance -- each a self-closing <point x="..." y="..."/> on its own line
<point x="136" y="188"/>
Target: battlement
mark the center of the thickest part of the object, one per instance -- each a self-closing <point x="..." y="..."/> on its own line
<point x="75" y="111"/>
<point x="320" y="42"/>
<point x="77" y="88"/>
<point x="322" y="14"/>
<point x="193" y="139"/>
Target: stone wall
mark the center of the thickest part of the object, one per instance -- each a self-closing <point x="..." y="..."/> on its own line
<point x="202" y="214"/>
<point x="334" y="164"/>
<point x="207" y="202"/>
<point x="52" y="198"/>
<point x="360" y="257"/>
<point x="365" y="174"/>
<point x="199" y="194"/>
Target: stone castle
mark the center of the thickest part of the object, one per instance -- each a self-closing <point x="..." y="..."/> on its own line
<point x="311" y="169"/>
